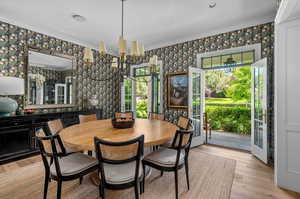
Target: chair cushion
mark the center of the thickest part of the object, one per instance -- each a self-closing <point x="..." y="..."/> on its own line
<point x="121" y="173"/>
<point x="73" y="164"/>
<point x="165" y="157"/>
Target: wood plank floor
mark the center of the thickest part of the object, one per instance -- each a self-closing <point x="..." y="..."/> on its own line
<point x="253" y="179"/>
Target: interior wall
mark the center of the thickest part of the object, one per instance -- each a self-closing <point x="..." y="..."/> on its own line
<point x="178" y="57"/>
<point x="14" y="43"/>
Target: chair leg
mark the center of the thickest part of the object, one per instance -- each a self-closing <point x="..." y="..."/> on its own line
<point x="59" y="184"/>
<point x="176" y="183"/>
<point x="161" y="173"/>
<point x="136" y="190"/>
<point x="187" y="174"/>
<point x="141" y="187"/>
<point x="144" y="177"/>
<point x="46" y="184"/>
<point x="102" y="192"/>
<point x="90" y="153"/>
<point x="80" y="180"/>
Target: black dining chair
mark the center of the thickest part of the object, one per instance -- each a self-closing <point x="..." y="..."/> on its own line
<point x="173" y="158"/>
<point x="65" y="166"/>
<point x="120" y="165"/>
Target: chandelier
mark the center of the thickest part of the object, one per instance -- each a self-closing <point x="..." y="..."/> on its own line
<point x="123" y="61"/>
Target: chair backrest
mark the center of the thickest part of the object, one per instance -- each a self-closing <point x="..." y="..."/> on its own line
<point x="183" y="122"/>
<point x="156" y="116"/>
<point x="124" y="116"/>
<point x="55" y="126"/>
<point x="119" y="153"/>
<point x="87" y="118"/>
<point x="183" y="138"/>
<point x="182" y="141"/>
<point x="49" y="150"/>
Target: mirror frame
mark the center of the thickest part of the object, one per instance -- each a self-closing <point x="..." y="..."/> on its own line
<point x="74" y="83"/>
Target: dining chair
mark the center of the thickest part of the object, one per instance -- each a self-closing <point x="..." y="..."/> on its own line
<point x="156" y="116"/>
<point x="65" y="166"/>
<point x="124" y="116"/>
<point x="120" y="165"/>
<point x="87" y="118"/>
<point x="54" y="127"/>
<point x="173" y="158"/>
<point x="183" y="122"/>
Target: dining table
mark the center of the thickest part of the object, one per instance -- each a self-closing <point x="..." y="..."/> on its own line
<point x="81" y="136"/>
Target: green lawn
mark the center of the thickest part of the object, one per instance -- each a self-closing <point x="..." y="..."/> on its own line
<point x="224" y="101"/>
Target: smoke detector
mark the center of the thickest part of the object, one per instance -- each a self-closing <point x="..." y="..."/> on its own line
<point x="212" y="4"/>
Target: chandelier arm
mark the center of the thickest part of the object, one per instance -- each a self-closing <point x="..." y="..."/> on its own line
<point x="122" y="19"/>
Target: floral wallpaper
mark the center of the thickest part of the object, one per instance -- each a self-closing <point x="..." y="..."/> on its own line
<point x="179" y="57"/>
<point x="14" y="43"/>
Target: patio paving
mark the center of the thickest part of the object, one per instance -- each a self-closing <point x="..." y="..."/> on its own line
<point x="231" y="140"/>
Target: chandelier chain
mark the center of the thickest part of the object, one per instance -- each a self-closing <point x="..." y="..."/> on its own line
<point x="122" y="18"/>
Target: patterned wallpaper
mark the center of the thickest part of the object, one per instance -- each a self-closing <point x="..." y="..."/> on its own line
<point x="59" y="76"/>
<point x="178" y="57"/>
<point x="14" y="42"/>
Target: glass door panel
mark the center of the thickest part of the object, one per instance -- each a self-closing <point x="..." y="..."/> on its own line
<point x="259" y="110"/>
<point x="195" y="103"/>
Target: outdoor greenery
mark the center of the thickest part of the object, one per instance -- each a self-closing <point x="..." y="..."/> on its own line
<point x="141" y="109"/>
<point x="230" y="119"/>
<point x="142" y="97"/>
<point x="240" y="86"/>
<point x="228" y="96"/>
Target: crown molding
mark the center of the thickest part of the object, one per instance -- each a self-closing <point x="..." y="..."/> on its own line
<point x="286" y="9"/>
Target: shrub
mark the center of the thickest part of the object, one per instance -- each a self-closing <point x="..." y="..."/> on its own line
<point x="230" y="119"/>
<point x="141" y="109"/>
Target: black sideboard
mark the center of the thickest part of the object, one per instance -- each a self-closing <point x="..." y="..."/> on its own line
<point x="17" y="133"/>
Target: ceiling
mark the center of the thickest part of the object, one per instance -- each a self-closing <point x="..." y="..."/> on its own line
<point x="155" y="23"/>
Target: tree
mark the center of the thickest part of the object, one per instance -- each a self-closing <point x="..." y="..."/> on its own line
<point x="240" y="85"/>
<point x="216" y="81"/>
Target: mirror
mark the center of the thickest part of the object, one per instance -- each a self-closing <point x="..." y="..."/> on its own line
<point x="50" y="80"/>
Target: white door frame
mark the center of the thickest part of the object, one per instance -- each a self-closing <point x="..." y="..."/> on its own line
<point x="197" y="140"/>
<point x="261" y="153"/>
<point x="257" y="53"/>
<point x="133" y="103"/>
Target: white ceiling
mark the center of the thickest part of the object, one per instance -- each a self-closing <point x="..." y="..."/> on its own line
<point x="49" y="61"/>
<point x="155" y="23"/>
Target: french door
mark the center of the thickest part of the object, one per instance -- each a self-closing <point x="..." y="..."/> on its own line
<point x="259" y="132"/>
<point x="154" y="86"/>
<point x="60" y="94"/>
<point x="196" y="97"/>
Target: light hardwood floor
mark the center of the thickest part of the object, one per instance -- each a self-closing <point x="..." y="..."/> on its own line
<point x="253" y="179"/>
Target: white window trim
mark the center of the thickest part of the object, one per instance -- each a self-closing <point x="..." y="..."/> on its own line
<point x="255" y="47"/>
<point x="160" y="63"/>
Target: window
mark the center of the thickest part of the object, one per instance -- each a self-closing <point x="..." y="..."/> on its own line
<point x="228" y="60"/>
<point x="128" y="94"/>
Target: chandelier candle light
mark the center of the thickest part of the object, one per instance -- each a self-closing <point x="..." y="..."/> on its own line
<point x="122" y="62"/>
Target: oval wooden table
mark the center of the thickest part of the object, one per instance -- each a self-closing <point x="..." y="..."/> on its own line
<point x="81" y="136"/>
